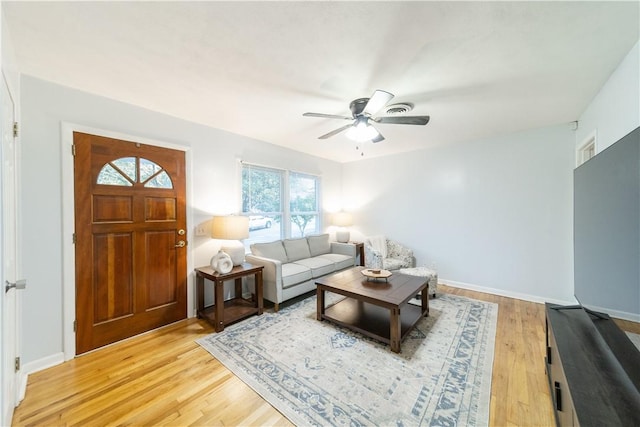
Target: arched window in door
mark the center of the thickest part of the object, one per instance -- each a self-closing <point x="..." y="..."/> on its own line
<point x="127" y="171"/>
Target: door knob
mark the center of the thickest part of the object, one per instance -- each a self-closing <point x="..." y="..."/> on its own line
<point x="181" y="244"/>
<point x="19" y="284"/>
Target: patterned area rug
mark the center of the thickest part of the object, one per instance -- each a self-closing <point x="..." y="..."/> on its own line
<point x="316" y="373"/>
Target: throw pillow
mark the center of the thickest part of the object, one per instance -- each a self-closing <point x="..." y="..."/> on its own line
<point x="319" y="245"/>
<point x="273" y="250"/>
<point x="297" y="249"/>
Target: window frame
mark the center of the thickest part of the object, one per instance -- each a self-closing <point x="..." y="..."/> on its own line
<point x="587" y="149"/>
<point x="285" y="214"/>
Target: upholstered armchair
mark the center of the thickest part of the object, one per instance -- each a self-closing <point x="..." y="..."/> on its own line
<point x="380" y="252"/>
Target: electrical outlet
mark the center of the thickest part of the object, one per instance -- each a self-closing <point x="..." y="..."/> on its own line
<point x="201" y="230"/>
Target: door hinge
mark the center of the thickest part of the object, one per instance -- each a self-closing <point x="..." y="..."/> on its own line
<point x="73" y="238"/>
<point x="17" y="364"/>
<point x="15" y="129"/>
<point x="75" y="326"/>
<point x="73" y="149"/>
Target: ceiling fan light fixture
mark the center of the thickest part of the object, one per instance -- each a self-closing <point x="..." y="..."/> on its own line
<point x="362" y="131"/>
<point x="363" y="111"/>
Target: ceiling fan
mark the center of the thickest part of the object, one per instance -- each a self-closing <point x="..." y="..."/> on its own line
<point x="363" y="109"/>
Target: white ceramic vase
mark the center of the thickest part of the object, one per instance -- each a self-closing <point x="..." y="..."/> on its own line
<point x="221" y="262"/>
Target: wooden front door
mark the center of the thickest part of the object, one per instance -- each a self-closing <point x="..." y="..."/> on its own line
<point x="130" y="229"/>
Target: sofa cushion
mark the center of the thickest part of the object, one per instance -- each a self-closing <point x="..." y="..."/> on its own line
<point x="319" y="244"/>
<point x="340" y="261"/>
<point x="296" y="249"/>
<point x="273" y="250"/>
<point x="293" y="273"/>
<point x="319" y="265"/>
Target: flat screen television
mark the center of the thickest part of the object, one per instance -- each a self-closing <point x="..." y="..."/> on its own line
<point x="607" y="230"/>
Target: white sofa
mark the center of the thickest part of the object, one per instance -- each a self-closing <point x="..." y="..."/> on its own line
<point x="292" y="265"/>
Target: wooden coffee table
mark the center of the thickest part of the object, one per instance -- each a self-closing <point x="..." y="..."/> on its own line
<point x="378" y="309"/>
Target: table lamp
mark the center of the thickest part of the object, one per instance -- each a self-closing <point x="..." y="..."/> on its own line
<point x="232" y="229"/>
<point x="342" y="219"/>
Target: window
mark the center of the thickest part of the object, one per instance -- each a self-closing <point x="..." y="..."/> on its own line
<point x="262" y="201"/>
<point x="587" y="150"/>
<point x="303" y="204"/>
<point x="279" y="203"/>
<point x="125" y="171"/>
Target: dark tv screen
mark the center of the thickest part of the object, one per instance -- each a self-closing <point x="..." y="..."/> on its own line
<point x="607" y="230"/>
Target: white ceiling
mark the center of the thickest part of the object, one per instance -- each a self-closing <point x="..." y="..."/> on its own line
<point x="252" y="68"/>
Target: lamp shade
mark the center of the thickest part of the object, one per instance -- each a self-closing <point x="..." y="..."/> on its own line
<point x="342" y="219"/>
<point x="230" y="227"/>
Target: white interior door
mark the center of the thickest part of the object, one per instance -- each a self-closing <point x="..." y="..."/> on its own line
<point x="8" y="233"/>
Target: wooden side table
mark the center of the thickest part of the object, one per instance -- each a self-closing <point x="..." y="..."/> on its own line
<point x="360" y="251"/>
<point x="223" y="313"/>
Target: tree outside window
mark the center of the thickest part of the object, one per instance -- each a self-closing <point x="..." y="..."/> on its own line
<point x="303" y="204"/>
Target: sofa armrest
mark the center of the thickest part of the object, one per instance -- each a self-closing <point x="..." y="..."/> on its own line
<point x="271" y="276"/>
<point x="348" y="249"/>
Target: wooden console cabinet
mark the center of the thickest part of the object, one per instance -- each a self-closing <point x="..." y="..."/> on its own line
<point x="593" y="369"/>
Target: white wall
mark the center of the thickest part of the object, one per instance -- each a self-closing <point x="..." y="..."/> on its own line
<point x="214" y="187"/>
<point x="493" y="215"/>
<point x="615" y="110"/>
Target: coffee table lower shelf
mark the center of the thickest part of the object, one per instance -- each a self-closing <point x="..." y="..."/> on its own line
<point x="371" y="320"/>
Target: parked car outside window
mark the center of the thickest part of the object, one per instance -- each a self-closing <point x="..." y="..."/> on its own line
<point x="258" y="221"/>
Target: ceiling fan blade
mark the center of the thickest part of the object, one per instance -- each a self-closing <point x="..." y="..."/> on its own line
<point x="378" y="100"/>
<point x="334" y="132"/>
<point x="403" y="120"/>
<point x="327" y="116"/>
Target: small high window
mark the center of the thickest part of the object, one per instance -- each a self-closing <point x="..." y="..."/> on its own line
<point x="587" y="150"/>
<point x="127" y="171"/>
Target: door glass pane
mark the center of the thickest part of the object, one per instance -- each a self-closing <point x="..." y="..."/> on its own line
<point x="148" y="169"/>
<point x="128" y="166"/>
<point x="110" y="176"/>
<point x="123" y="171"/>
<point x="162" y="180"/>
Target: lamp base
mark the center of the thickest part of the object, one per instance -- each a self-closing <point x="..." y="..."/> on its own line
<point x="343" y="236"/>
<point x="235" y="251"/>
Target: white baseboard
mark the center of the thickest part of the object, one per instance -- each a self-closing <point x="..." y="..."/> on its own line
<point x="615" y="313"/>
<point x="35" y="366"/>
<point x="502" y="292"/>
<point x="534" y="298"/>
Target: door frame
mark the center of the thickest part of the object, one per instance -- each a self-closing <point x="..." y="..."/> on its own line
<point x="68" y="227"/>
<point x="19" y="378"/>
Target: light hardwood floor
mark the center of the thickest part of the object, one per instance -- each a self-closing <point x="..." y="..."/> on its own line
<point x="165" y="378"/>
